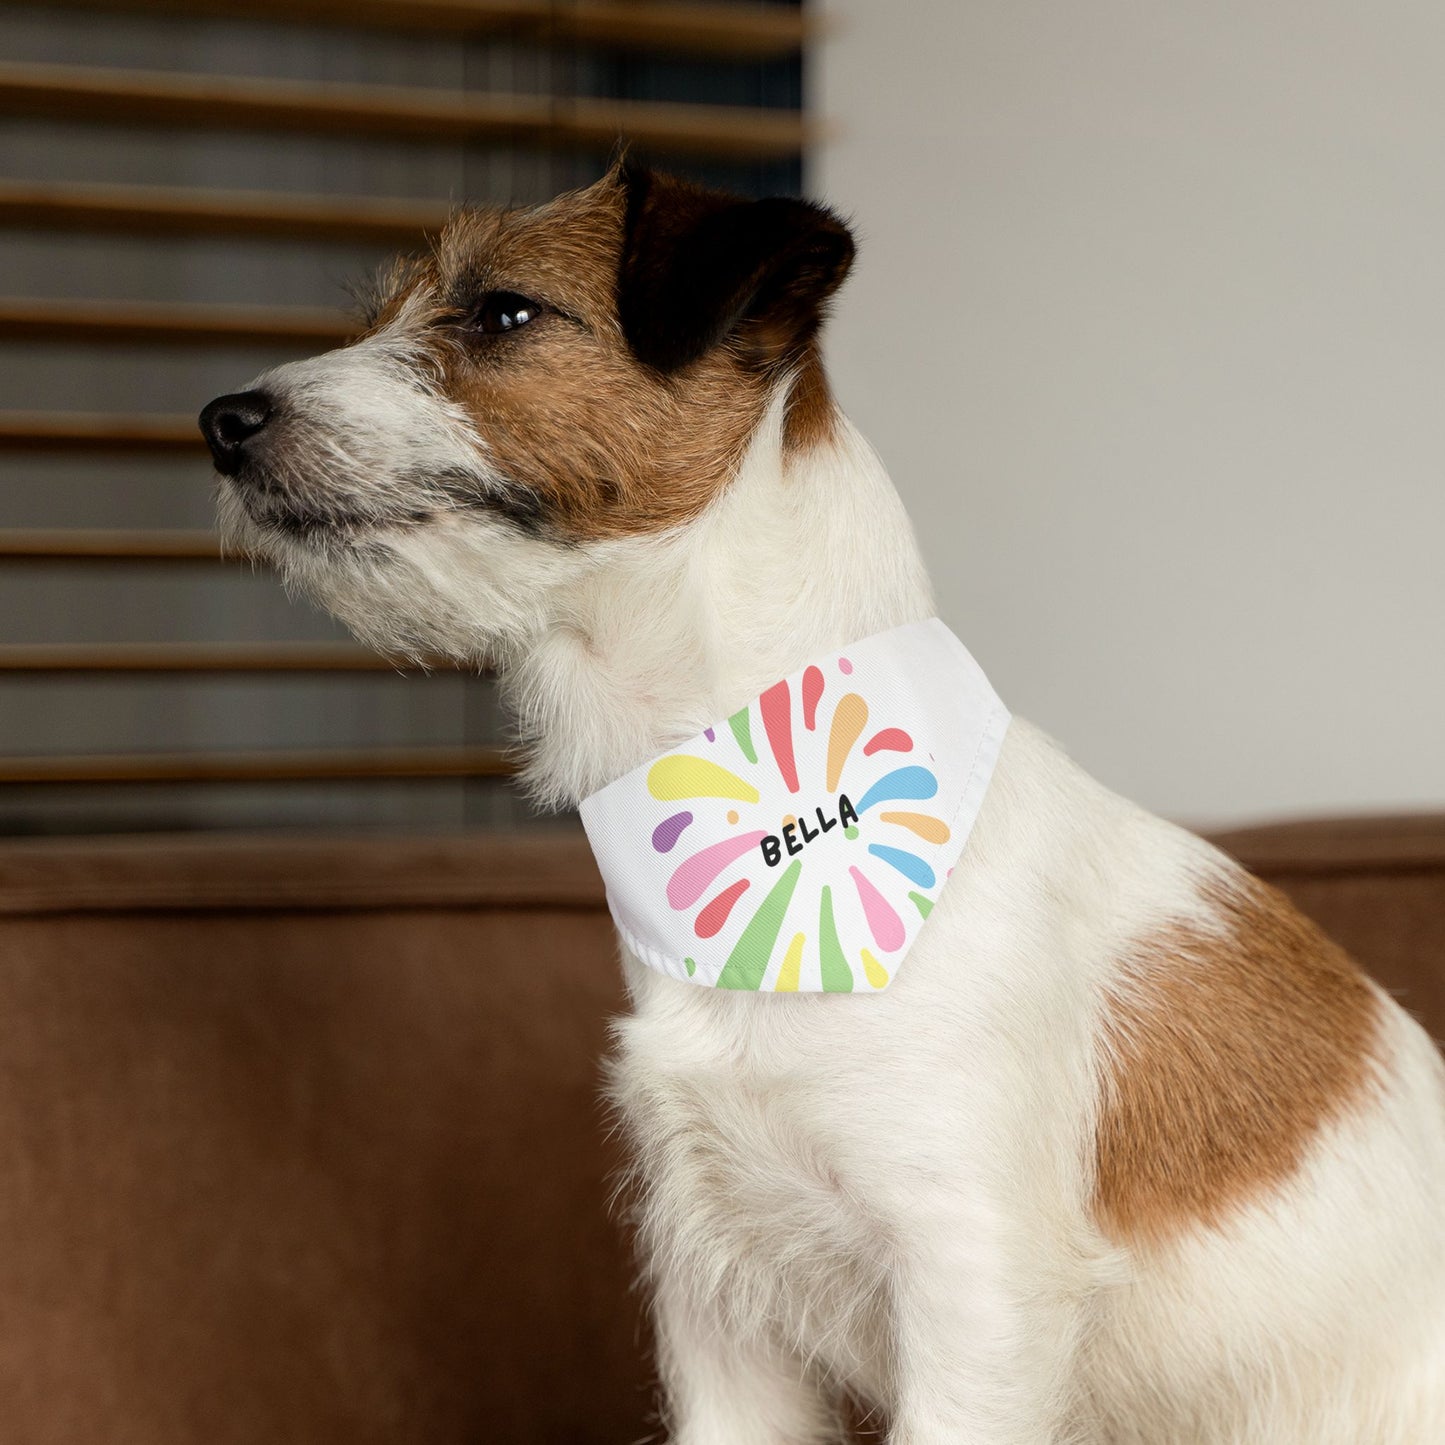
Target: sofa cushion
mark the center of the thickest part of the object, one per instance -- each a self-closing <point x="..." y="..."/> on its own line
<point x="303" y="1143"/>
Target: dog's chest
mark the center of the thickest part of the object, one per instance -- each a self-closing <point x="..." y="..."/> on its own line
<point x="748" y="1181"/>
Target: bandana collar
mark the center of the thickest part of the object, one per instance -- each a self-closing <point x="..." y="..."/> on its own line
<point x="800" y="845"/>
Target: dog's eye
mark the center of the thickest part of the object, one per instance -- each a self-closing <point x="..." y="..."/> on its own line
<point x="504" y="311"/>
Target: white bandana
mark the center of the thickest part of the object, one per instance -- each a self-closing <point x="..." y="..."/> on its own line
<point x="800" y="845"/>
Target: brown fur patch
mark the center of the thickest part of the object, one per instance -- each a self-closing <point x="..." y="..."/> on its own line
<point x="812" y="414"/>
<point x="1227" y="1052"/>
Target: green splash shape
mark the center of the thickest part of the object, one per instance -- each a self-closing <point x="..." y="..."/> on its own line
<point x="742" y="727"/>
<point x="748" y="961"/>
<point x="837" y="976"/>
<point x="691" y="964"/>
<point x="850" y="831"/>
<point x="924" y="905"/>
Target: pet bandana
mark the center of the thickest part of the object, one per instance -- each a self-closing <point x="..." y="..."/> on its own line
<point x="801" y="844"/>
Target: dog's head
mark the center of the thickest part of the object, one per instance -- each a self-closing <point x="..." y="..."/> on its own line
<point x="544" y="383"/>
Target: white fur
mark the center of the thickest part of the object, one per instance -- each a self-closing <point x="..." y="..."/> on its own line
<point x="930" y="1249"/>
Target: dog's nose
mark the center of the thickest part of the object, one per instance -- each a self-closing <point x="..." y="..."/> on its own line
<point x="229" y="422"/>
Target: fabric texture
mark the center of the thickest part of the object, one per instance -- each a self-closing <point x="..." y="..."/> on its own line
<point x="800" y="845"/>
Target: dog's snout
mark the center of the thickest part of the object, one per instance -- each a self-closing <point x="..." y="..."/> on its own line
<point x="229" y="422"/>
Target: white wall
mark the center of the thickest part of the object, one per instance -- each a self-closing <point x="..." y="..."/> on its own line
<point x="1149" y="324"/>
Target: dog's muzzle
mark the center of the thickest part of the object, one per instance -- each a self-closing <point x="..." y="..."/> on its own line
<point x="231" y="423"/>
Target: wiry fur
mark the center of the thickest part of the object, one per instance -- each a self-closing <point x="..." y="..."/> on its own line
<point x="936" y="1247"/>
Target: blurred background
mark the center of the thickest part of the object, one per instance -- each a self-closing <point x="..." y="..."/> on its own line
<point x="301" y="1008"/>
<point x="1147" y="323"/>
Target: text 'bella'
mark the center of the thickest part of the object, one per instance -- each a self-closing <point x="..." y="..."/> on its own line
<point x="773" y="845"/>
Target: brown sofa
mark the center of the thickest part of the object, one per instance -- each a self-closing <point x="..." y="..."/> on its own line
<point x="302" y="1140"/>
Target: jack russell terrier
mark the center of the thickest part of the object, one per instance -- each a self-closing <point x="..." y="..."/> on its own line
<point x="956" y="1085"/>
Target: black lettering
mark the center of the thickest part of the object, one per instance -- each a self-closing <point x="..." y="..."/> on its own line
<point x="772" y="851"/>
<point x="793" y="845"/>
<point x="825" y="823"/>
<point x="845" y="809"/>
<point x="803" y="829"/>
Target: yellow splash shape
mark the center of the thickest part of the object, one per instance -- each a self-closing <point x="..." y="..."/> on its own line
<point x="684" y="776"/>
<point x="930" y="829"/>
<point x="849" y="719"/>
<point x="792" y="963"/>
<point x="877" y="974"/>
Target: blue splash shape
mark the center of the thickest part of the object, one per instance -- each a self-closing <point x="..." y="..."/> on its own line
<point x="910" y="865"/>
<point x="913" y="783"/>
<point x="667" y="832"/>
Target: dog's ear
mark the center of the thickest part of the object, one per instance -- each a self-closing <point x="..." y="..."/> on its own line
<point x="699" y="266"/>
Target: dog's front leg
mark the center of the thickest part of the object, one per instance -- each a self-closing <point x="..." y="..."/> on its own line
<point x="985" y="1339"/>
<point x="721" y="1387"/>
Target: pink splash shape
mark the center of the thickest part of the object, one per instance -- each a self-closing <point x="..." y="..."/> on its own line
<point x="712" y="918"/>
<point x="812" y="691"/>
<point x="777" y="708"/>
<point x="893" y="740"/>
<point x="844" y="665"/>
<point x="883" y="921"/>
<point x="694" y="874"/>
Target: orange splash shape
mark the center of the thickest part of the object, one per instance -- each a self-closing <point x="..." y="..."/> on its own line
<point x="849" y="720"/>
<point x="930" y="829"/>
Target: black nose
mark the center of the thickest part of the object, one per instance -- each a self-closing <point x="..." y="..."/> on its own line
<point x="229" y="422"/>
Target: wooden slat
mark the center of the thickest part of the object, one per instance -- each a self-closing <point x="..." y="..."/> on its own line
<point x="174" y="211"/>
<point x="757" y="32"/>
<point x="749" y="31"/>
<point x="294" y="869"/>
<point x="220" y="102"/>
<point x="259" y="767"/>
<point x="81" y="544"/>
<point x="171" y="323"/>
<point x="190" y="657"/>
<point x="78" y="431"/>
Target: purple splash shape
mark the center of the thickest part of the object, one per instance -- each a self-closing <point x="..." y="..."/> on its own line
<point x="667" y="832"/>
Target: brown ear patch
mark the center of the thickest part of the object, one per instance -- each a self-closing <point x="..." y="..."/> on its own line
<point x="1225" y="1053"/>
<point x="700" y="267"/>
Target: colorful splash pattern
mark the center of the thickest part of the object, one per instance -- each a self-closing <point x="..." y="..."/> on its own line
<point x="888" y="876"/>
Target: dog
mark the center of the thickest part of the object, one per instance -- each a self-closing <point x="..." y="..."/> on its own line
<point x="1130" y="1152"/>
